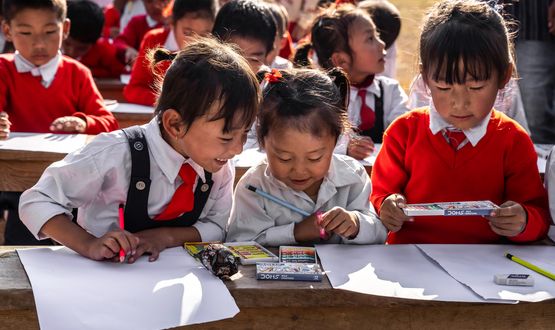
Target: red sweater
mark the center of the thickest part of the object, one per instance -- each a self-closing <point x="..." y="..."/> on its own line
<point x="425" y="169"/>
<point x="101" y="60"/>
<point x="134" y="32"/>
<point x="111" y="20"/>
<point x="141" y="88"/>
<point x="32" y="107"/>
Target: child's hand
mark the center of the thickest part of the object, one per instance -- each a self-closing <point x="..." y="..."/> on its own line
<point x="130" y="55"/>
<point x="151" y="242"/>
<point x="69" y="124"/>
<point x="4" y="126"/>
<point x="108" y="246"/>
<point x="341" y="222"/>
<point x="307" y="230"/>
<point x="391" y="212"/>
<point x="360" y="147"/>
<point x="508" y="220"/>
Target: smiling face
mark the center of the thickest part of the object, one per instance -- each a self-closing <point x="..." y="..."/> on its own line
<point x="300" y="160"/>
<point x="466" y="104"/>
<point x="368" y="50"/>
<point x="205" y="141"/>
<point x="37" y="34"/>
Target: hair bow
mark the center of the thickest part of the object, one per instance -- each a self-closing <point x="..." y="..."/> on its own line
<point x="273" y="76"/>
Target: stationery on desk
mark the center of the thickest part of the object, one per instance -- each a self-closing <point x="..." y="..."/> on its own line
<point x="44" y="142"/>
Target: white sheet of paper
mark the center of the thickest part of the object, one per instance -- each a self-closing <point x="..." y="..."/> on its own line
<point x="476" y="265"/>
<point x="400" y="271"/>
<point x="249" y="157"/>
<point x="73" y="292"/>
<point x="124" y="78"/>
<point x="130" y="108"/>
<point x="45" y="142"/>
<point x="369" y="161"/>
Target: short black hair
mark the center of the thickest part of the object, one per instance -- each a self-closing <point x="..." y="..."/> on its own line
<point x="386" y="17"/>
<point x="247" y="19"/>
<point x="10" y="8"/>
<point x="463" y="38"/>
<point x="202" y="8"/>
<point x="87" y="20"/>
<point x="207" y="71"/>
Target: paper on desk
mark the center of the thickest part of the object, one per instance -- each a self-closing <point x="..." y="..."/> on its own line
<point x="73" y="292"/>
<point x="400" y="271"/>
<point x="130" y="108"/>
<point x="46" y="142"/>
<point x="475" y="266"/>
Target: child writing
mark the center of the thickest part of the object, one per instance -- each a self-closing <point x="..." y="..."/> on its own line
<point x="302" y="115"/>
<point x="345" y="36"/>
<point x="173" y="174"/>
<point x="189" y="18"/>
<point x="460" y="149"/>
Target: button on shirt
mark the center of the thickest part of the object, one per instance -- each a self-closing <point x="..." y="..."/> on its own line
<point x="96" y="179"/>
<point x="256" y="218"/>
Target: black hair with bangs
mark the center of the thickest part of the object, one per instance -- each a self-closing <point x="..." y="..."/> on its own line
<point x="204" y="72"/>
<point x="464" y="38"/>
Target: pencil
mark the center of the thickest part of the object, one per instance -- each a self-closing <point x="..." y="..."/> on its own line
<point x="530" y="266"/>
<point x="121" y="225"/>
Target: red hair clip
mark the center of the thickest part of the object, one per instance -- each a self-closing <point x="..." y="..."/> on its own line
<point x="340" y="2"/>
<point x="273" y="76"/>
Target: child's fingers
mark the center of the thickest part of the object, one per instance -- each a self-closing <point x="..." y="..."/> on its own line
<point x="506" y="230"/>
<point x="507" y="209"/>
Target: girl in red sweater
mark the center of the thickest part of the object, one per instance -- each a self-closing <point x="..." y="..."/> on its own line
<point x="459" y="148"/>
<point x="189" y="18"/>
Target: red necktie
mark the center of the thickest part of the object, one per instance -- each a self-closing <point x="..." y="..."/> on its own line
<point x="367" y="115"/>
<point x="455" y="138"/>
<point x="183" y="199"/>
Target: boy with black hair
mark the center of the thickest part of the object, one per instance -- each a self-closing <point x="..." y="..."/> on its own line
<point x="84" y="43"/>
<point x="251" y="26"/>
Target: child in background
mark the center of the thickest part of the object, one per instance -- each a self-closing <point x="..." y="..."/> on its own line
<point x="208" y="101"/>
<point x="112" y="15"/>
<point x="189" y="18"/>
<point x="345" y="36"/>
<point x="302" y="115"/>
<point x="388" y="23"/>
<point x="84" y="43"/>
<point x="129" y="41"/>
<point x="460" y="149"/>
<point x="250" y="25"/>
<point x="63" y="98"/>
<point x="274" y="57"/>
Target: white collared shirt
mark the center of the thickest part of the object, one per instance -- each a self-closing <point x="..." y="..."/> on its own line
<point x="474" y="134"/>
<point x="171" y="43"/>
<point x="132" y="8"/>
<point x="47" y="71"/>
<point x="96" y="180"/>
<point x="346" y="185"/>
<point x="151" y="22"/>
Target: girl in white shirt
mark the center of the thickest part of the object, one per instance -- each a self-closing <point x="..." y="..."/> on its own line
<point x="302" y="116"/>
<point x="207" y="103"/>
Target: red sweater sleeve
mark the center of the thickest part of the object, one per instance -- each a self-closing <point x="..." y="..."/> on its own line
<point x="389" y="174"/>
<point x="91" y="104"/>
<point x="141" y="88"/>
<point x="102" y="61"/>
<point x="111" y="19"/>
<point x="523" y="185"/>
<point x="133" y="33"/>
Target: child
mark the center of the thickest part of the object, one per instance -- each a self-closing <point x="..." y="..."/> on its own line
<point x="112" y="15"/>
<point x="251" y="26"/>
<point x="84" y="43"/>
<point x="282" y="38"/>
<point x="189" y="18"/>
<point x="460" y="149"/>
<point x="129" y="40"/>
<point x="388" y="23"/>
<point x="208" y="101"/>
<point x="64" y="96"/>
<point x="42" y="91"/>
<point x="302" y="115"/>
<point x="345" y="36"/>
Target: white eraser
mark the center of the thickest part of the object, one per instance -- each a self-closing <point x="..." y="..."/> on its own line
<point x="514" y="279"/>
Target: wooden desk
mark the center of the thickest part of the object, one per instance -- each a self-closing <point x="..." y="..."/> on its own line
<point x="280" y="304"/>
<point x="128" y="114"/>
<point x="110" y="88"/>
